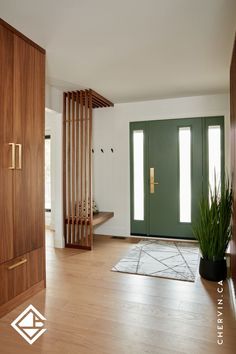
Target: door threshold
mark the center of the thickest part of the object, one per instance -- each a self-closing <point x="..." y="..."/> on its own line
<point x="175" y="239"/>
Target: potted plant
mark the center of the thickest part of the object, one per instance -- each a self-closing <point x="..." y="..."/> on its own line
<point x="213" y="231"/>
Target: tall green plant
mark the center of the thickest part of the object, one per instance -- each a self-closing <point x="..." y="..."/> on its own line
<point x="213" y="230"/>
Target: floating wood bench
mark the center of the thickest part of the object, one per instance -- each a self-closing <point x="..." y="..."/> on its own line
<point x="101" y="217"/>
<point x="98" y="219"/>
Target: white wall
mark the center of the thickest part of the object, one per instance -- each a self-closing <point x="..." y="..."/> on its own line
<point x="53" y="126"/>
<point x="54" y="98"/>
<point x="111" y="130"/>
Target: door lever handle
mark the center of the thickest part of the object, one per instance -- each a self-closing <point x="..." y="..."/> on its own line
<point x="152" y="180"/>
<point x="13" y="156"/>
<point x="19" y="167"/>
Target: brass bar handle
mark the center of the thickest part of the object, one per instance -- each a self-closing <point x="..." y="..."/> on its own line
<point x="19" y="167"/>
<point x="152" y="180"/>
<point x="13" y="156"/>
<point x="23" y="261"/>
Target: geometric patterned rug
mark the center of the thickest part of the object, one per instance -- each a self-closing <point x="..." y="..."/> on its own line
<point x="165" y="259"/>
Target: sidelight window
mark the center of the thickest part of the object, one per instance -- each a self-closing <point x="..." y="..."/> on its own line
<point x="138" y="171"/>
<point x="214" y="157"/>
<point x="185" y="174"/>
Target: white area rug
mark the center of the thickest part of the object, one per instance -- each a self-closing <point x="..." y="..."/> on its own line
<point x="166" y="259"/>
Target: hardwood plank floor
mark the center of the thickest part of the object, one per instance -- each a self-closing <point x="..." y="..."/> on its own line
<point x="90" y="309"/>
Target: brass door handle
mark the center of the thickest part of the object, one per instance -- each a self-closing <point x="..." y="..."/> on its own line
<point x="19" y="167"/>
<point x="13" y="156"/>
<point x="152" y="180"/>
<point x="17" y="264"/>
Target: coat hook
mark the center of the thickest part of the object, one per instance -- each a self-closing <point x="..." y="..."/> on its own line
<point x="93" y="151"/>
<point x="102" y="151"/>
<point x="112" y="150"/>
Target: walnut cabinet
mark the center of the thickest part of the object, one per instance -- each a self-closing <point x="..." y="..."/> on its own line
<point x="22" y="107"/>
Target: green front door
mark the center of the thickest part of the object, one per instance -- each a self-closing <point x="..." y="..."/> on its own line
<point x="163" y="150"/>
<point x="169" y="174"/>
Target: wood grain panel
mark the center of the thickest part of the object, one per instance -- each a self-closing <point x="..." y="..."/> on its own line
<point x="233" y="158"/>
<point x="28" y="112"/>
<point x="22" y="107"/>
<point x="21" y="298"/>
<point x="21" y="273"/>
<point x="36" y="266"/>
<point x="97" y="219"/>
<point x="38" y="152"/>
<point x="3" y="287"/>
<point x="15" y="280"/>
<point x="21" y="35"/>
<point x="6" y="130"/>
<point x="102" y="217"/>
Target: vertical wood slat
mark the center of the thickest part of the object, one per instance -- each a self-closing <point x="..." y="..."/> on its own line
<point x="90" y="171"/>
<point x="77" y="158"/>
<point x="68" y="170"/>
<point x="233" y="160"/>
<point x="85" y="165"/>
<point x="64" y="164"/>
<point x="73" y="168"/>
<point x="81" y="170"/>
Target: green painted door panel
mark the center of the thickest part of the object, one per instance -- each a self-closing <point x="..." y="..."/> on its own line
<point x="163" y="152"/>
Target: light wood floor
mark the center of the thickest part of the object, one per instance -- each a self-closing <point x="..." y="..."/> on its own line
<point x="90" y="309"/>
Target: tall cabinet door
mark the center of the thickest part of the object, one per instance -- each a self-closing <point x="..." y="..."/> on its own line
<point x="6" y="174"/>
<point x="28" y="111"/>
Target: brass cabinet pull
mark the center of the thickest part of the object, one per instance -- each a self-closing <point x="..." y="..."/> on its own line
<point x="152" y="180"/>
<point x="13" y="156"/>
<point x="19" y="167"/>
<point x="17" y="264"/>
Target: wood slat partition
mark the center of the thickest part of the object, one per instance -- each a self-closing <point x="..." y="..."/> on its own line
<point x="77" y="175"/>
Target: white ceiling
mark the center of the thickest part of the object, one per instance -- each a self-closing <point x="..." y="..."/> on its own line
<point x="131" y="50"/>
